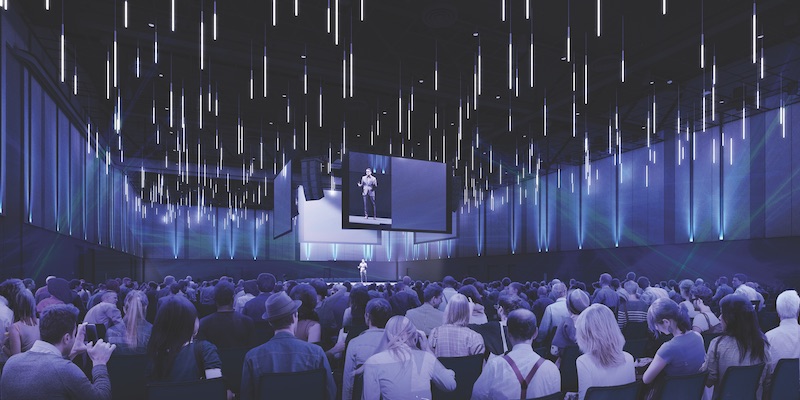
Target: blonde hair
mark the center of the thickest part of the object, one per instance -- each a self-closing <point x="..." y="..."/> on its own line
<point x="598" y="334"/>
<point x="401" y="336"/>
<point x="457" y="311"/>
<point x="135" y="308"/>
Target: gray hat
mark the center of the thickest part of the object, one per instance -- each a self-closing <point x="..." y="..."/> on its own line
<point x="280" y="305"/>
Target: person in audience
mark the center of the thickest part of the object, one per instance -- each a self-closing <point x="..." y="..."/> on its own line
<point x="554" y="314"/>
<point x="331" y="312"/>
<point x="543" y="300"/>
<point x="453" y="338"/>
<point x="133" y="333"/>
<point x="24" y="332"/>
<point x="284" y="352"/>
<point x="507" y="377"/>
<point x="308" y="327"/>
<point x="747" y="290"/>
<point x="684" y="353"/>
<point x="742" y="342"/>
<point x="57" y="290"/>
<point x="250" y="291"/>
<point x="403" y="299"/>
<point x="402" y="368"/>
<point x="255" y="307"/>
<point x="364" y="345"/>
<point x="174" y="354"/>
<point x="105" y="312"/>
<point x="606" y="295"/>
<point x="784" y="341"/>
<point x="722" y="289"/>
<point x="428" y="316"/>
<point x="603" y="362"/>
<point x="632" y="312"/>
<point x="45" y="372"/>
<point x="43" y="292"/>
<point x="495" y="333"/>
<point x="738" y="280"/>
<point x="165" y="291"/>
<point x="686" y="287"/>
<point x="449" y="285"/>
<point x="353" y="322"/>
<point x="576" y="302"/>
<point x="478" y="315"/>
<point x="226" y="328"/>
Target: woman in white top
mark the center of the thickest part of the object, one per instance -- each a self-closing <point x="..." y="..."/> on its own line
<point x="403" y="367"/>
<point x="603" y="362"/>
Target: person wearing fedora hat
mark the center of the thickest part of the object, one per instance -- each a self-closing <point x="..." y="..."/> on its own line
<point x="284" y="352"/>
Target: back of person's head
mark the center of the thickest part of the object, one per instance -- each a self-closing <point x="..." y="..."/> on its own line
<point x="559" y="290"/>
<point x="741" y="323"/>
<point x="517" y="287"/>
<point x="666" y="309"/>
<point x="135" y="311"/>
<point x="740" y="277"/>
<point x="250" y="287"/>
<point x="74" y="283"/>
<point x="522" y="325"/>
<point x="701" y="292"/>
<point x="686" y="287"/>
<point x="631" y="276"/>
<point x="266" y="282"/>
<point x="511" y="302"/>
<point x="457" y="311"/>
<point x="109" y="296"/>
<point x="631" y="287"/>
<point x="173" y="327"/>
<point x="407" y="280"/>
<point x="347" y="285"/>
<point x="24" y="307"/>
<point x="379" y="312"/>
<point x="506" y="281"/>
<point x="542" y="291"/>
<point x="643" y="282"/>
<point x="400" y="336"/>
<point x="308" y="297"/>
<point x="174" y="288"/>
<point x="471" y="293"/>
<point x="577" y="301"/>
<point x="56" y="321"/>
<point x="605" y="279"/>
<point x="112" y="284"/>
<point x="449" y="281"/>
<point x="788" y="304"/>
<point x="359" y="297"/>
<point x="168" y="280"/>
<point x="615" y="283"/>
<point x="431" y="291"/>
<point x="320" y="287"/>
<point x="723" y="280"/>
<point x="598" y="334"/>
<point x="10" y="289"/>
<point x="223" y="294"/>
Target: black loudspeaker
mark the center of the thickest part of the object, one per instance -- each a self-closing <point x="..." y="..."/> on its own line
<point x="311" y="178"/>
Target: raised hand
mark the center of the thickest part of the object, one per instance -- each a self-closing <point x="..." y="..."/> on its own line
<point x="100" y="352"/>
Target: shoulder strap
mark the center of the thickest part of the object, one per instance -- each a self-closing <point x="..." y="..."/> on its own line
<point x="523" y="382"/>
<point x="708" y="321"/>
<point x="503" y="338"/>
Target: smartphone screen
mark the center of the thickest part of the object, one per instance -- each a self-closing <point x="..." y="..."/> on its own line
<point x="91" y="333"/>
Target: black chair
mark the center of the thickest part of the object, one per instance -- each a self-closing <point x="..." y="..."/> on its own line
<point x="126" y="373"/>
<point x="358" y="386"/>
<point x="619" y="392"/>
<point x="232" y="361"/>
<point x="687" y="387"/>
<point x="554" y="396"/>
<point x="785" y="384"/>
<point x="740" y="383"/>
<point x="467" y="370"/>
<point x="636" y="347"/>
<point x="708" y="337"/>
<point x="636" y="330"/>
<point x="543" y="352"/>
<point x="204" y="389"/>
<point x="569" y="371"/>
<point x="293" y="385"/>
<point x="768" y="320"/>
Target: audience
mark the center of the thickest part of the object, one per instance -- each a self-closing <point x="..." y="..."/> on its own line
<point x="543" y="300"/>
<point x="255" y="307"/>
<point x="521" y="371"/>
<point x="308" y="327"/>
<point x="45" y="372"/>
<point x="741" y="343"/>
<point x="453" y="338"/>
<point x="632" y="312"/>
<point x="784" y="341"/>
<point x="684" y="353"/>
<point x="477" y="316"/>
<point x="606" y="295"/>
<point x="402" y="368"/>
<point x="495" y="333"/>
<point x="24" y="332"/>
<point x="555" y="313"/>
<point x="249" y="292"/>
<point x="284" y="352"/>
<point x="226" y="328"/>
<point x="565" y="336"/>
<point x="133" y="333"/>
<point x="603" y="362"/>
<point x="364" y="346"/>
<point x="106" y="312"/>
<point x="428" y="316"/>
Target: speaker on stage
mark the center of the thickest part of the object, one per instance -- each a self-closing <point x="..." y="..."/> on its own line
<point x="311" y="178"/>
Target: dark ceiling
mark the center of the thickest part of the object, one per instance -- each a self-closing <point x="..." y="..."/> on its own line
<point x="395" y="51"/>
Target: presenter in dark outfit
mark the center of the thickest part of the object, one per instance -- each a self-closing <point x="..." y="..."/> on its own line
<point x="368" y="184"/>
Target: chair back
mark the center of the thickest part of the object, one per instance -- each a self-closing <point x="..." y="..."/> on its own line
<point x="554" y="396"/>
<point x="467" y="370"/>
<point x="740" y="383"/>
<point x="708" y="337"/>
<point x="126" y="373"/>
<point x="569" y="371"/>
<point x="204" y="389"/>
<point x="309" y="385"/>
<point x="232" y="361"/>
<point x="636" y="330"/>
<point x="358" y="386"/>
<point x="785" y="383"/>
<point x="636" y="347"/>
<point x="683" y="386"/>
<point x="628" y="391"/>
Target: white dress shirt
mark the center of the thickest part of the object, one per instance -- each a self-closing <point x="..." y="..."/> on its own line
<point x="498" y="380"/>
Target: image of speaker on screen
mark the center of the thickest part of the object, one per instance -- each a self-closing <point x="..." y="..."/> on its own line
<point x="369" y="187"/>
<point x="368" y="184"/>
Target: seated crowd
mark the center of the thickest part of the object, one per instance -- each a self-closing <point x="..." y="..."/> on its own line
<point x="392" y="341"/>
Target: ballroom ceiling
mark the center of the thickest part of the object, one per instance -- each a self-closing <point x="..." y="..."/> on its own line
<point x="400" y="77"/>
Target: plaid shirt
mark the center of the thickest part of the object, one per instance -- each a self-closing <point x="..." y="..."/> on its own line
<point x="455" y="341"/>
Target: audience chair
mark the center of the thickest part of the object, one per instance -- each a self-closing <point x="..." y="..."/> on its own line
<point x="543" y="352"/>
<point x="636" y="330"/>
<point x="785" y="384"/>
<point x="126" y="373"/>
<point x="569" y="371"/>
<point x="304" y="385"/>
<point x="636" y="347"/>
<point x="467" y="370"/>
<point x="689" y="387"/>
<point x="620" y="392"/>
<point x="232" y="362"/>
<point x="204" y="389"/>
<point x="358" y="386"/>
<point x="739" y="383"/>
<point x="554" y="396"/>
<point x="768" y="320"/>
<point x="708" y="337"/>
